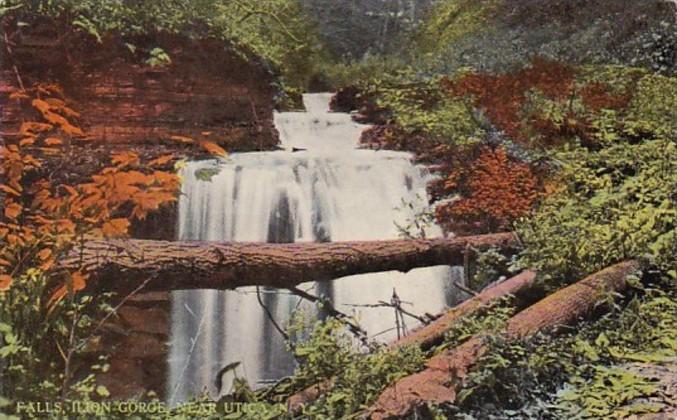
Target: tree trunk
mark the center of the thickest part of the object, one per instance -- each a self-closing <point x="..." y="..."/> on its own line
<point x="432" y="334"/>
<point x="445" y="373"/>
<point x="125" y="265"/>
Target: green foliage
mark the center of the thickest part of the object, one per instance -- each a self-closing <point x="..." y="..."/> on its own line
<point x="490" y="265"/>
<point x="606" y="394"/>
<point x="618" y="201"/>
<point x="158" y="58"/>
<point x="206" y="174"/>
<point x="279" y="31"/>
<point x="329" y="352"/>
<point x="421" y="106"/>
<point x="343" y="73"/>
<point x="451" y="20"/>
<point x="653" y="109"/>
<point x="37" y="348"/>
<point x="416" y="226"/>
<point x="358" y="377"/>
<point x="489" y="321"/>
<point x="495" y="35"/>
<point x="619" y="204"/>
<point x="366" y="28"/>
<point x="587" y="372"/>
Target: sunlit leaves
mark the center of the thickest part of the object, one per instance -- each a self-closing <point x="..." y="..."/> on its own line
<point x="213" y="148"/>
<point x="115" y="227"/>
<point x="162" y="160"/>
<point x="122" y="160"/>
<point x="76" y="282"/>
<point x="51" y="112"/>
<point x="5" y="282"/>
<point x="182" y="139"/>
<point x="12" y="210"/>
<point x="41" y="220"/>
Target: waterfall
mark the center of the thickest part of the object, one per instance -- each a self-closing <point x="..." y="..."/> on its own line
<point x="320" y="188"/>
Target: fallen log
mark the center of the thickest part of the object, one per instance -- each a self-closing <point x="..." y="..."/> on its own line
<point x="433" y="333"/>
<point x="124" y="265"/>
<point x="445" y="373"/>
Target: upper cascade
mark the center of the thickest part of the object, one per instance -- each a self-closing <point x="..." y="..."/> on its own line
<point x="317" y="129"/>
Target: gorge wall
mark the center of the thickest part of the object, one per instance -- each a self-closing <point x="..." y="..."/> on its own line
<point x="206" y="92"/>
<point x="206" y="88"/>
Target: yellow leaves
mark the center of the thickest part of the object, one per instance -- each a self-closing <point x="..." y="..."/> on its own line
<point x="13" y="210"/>
<point x="46" y="258"/>
<point x="115" y="227"/>
<point x="5" y="282"/>
<point x="66" y="126"/>
<point x="60" y="106"/>
<point x="40" y="105"/>
<point x="54" y="215"/>
<point x="49" y="89"/>
<point x="166" y="179"/>
<point x="150" y="200"/>
<point x="213" y="148"/>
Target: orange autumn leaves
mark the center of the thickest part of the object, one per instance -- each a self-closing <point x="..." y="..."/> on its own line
<point x="497" y="191"/>
<point x="209" y="146"/>
<point x="42" y="219"/>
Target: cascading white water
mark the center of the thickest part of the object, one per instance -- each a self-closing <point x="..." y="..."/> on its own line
<point x="321" y="188"/>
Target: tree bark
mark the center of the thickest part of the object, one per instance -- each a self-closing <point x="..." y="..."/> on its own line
<point x="445" y="373"/>
<point x="124" y="265"/>
<point x="432" y="334"/>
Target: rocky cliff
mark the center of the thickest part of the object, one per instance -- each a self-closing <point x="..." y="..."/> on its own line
<point x="205" y="91"/>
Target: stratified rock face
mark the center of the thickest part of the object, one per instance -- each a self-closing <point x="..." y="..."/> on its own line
<point x="206" y="92"/>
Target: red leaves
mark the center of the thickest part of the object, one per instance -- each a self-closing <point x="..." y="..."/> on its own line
<point x="497" y="191"/>
<point x="503" y="96"/>
<point x="508" y="101"/>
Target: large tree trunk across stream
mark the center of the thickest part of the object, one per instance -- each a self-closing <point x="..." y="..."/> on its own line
<point x="126" y="265"/>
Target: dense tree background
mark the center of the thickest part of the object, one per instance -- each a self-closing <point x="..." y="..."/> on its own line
<point x="356" y="28"/>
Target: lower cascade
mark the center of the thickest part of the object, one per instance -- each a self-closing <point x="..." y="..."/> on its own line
<point x="321" y="187"/>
